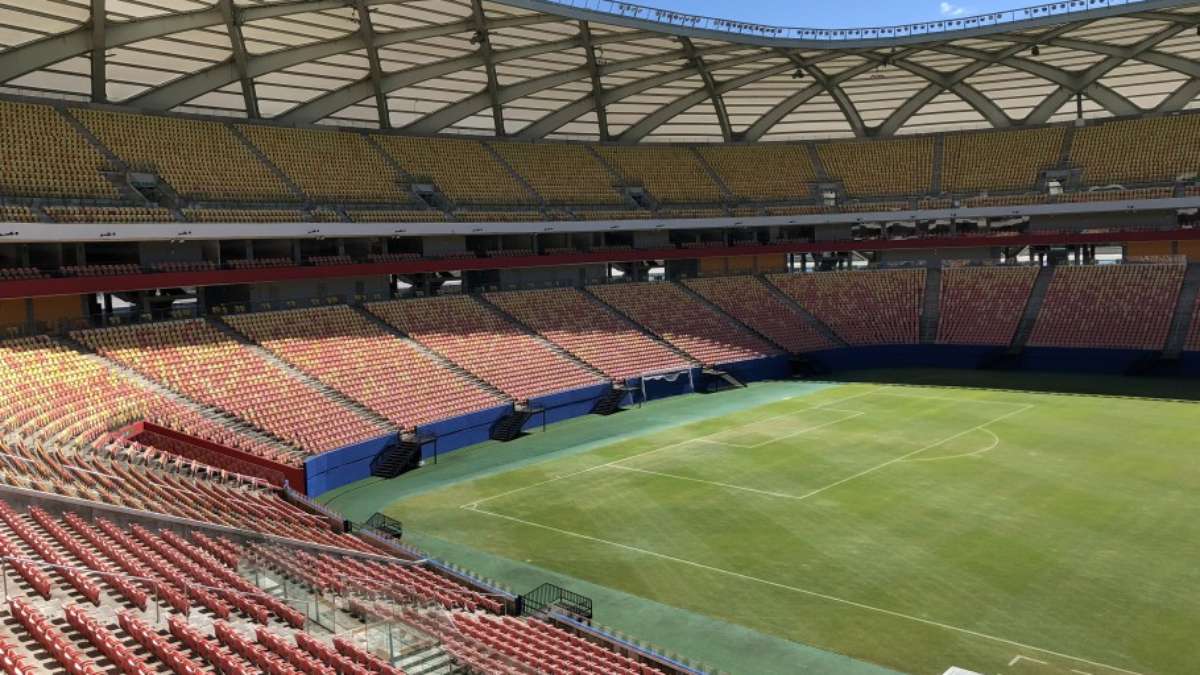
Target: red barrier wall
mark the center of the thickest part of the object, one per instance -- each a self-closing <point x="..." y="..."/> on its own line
<point x="220" y="456"/>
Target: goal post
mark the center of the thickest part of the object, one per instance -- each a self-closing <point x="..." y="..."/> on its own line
<point x="675" y="377"/>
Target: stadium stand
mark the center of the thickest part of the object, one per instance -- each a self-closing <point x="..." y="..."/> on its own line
<point x="562" y="173"/>
<point x="43" y="156"/>
<point x="17" y="273"/>
<point x="767" y="172"/>
<point x="330" y="165"/>
<point x="350" y="353"/>
<point x="1111" y="306"/>
<point x="862" y="308"/>
<point x="13" y="213"/>
<point x="109" y="214"/>
<point x="881" y="167"/>
<point x="616" y="214"/>
<point x="672" y="174"/>
<point x="244" y="215"/>
<point x="462" y="169"/>
<point x="969" y="159"/>
<point x="497" y="216"/>
<point x="687" y="324"/>
<point x="1116" y="195"/>
<point x="748" y="300"/>
<point x="100" y="270"/>
<point x="593" y="334"/>
<point x="260" y="262"/>
<point x="200" y="159"/>
<point x="983" y="305"/>
<point x="476" y="337"/>
<point x="426" y="216"/>
<point x="1192" y="343"/>
<point x="1156" y="149"/>
<point x="199" y="361"/>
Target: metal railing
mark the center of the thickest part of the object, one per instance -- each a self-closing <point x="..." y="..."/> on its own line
<point x="921" y="28"/>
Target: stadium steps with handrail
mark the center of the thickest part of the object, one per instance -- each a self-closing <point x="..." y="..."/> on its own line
<point x="544" y="342"/>
<point x="258" y="154"/>
<point x="1064" y="153"/>
<point x="728" y="318"/>
<point x="813" y="321"/>
<point x="210" y="412"/>
<point x="634" y="325"/>
<point x="1033" y="307"/>
<point x="351" y="405"/>
<point x="1185" y="307"/>
<point x="499" y="159"/>
<point x="429" y="353"/>
<point x="939" y="153"/>
<point x="119" y="177"/>
<point x="713" y="175"/>
<point x="818" y="165"/>
<point x="930" y="313"/>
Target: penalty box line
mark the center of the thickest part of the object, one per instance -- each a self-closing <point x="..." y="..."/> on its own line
<point x="799" y="590"/>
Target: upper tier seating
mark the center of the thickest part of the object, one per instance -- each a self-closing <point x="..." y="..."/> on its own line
<point x="201" y="362"/>
<point x="43" y="156"/>
<point x="562" y="173"/>
<point x="330" y="165"/>
<point x="748" y="300"/>
<point x="1112" y="307"/>
<point x="595" y="335"/>
<point x="883" y="167"/>
<point x="983" y="305"/>
<point x="476" y="337"/>
<point x="689" y="325"/>
<point x="109" y="214"/>
<point x="343" y="349"/>
<point x="1003" y="160"/>
<point x="244" y="215"/>
<point x="863" y="308"/>
<point x="765" y="172"/>
<point x="1138" y="151"/>
<point x="199" y="159"/>
<point x="671" y="174"/>
<point x="462" y="169"/>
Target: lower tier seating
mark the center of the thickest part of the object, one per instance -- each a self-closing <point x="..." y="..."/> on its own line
<point x="1193" y="339"/>
<point x="747" y="299"/>
<point x="1112" y="306"/>
<point x="687" y="324"/>
<point x="983" y="305"/>
<point x="489" y="346"/>
<point x="594" y="334"/>
<point x="863" y="308"/>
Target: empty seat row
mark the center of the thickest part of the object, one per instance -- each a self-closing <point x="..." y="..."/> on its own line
<point x="863" y="308"/>
<point x="983" y="305"/>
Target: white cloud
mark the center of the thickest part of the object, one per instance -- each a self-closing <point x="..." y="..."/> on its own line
<point x="949" y="9"/>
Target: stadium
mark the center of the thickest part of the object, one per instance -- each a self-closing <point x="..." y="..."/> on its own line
<point x="460" y="337"/>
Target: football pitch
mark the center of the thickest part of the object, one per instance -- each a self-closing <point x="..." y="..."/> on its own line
<point x="911" y="527"/>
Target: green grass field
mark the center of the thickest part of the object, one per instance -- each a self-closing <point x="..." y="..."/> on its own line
<point x="1007" y="532"/>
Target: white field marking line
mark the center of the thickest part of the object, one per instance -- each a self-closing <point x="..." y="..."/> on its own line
<point x="965" y="401"/>
<point x="802" y="591"/>
<point x="995" y="442"/>
<point x="918" y="451"/>
<point x="1081" y="672"/>
<point x="1019" y="658"/>
<point x="658" y="449"/>
<point x="852" y="414"/>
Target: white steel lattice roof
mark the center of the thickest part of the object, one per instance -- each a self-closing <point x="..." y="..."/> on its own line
<point x="601" y="70"/>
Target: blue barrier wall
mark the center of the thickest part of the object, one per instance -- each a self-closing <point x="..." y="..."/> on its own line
<point x="459" y="432"/>
<point x="1102" y="361"/>
<point x="336" y="468"/>
<point x="565" y="404"/>
<point x="1189" y="364"/>
<point x="768" y="368"/>
<point x="903" y="356"/>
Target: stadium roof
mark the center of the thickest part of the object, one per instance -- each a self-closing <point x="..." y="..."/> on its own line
<point x="596" y="69"/>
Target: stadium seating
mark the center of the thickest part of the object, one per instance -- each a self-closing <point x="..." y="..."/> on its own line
<point x="1155" y="149"/>
<point x="200" y="159"/>
<point x="426" y="216"/>
<point x="881" y="167"/>
<point x="16" y="273"/>
<point x="543" y="647"/>
<point x="1002" y="160"/>
<point x="1111" y="306"/>
<point x="983" y="305"/>
<point x="561" y="173"/>
<point x="109" y="214"/>
<point x="747" y="299"/>
<point x="12" y="213"/>
<point x="686" y="323"/>
<point x="330" y="165"/>
<point x="767" y="172"/>
<point x="462" y="169"/>
<point x="260" y="262"/>
<point x="476" y="337"/>
<point x="329" y="260"/>
<point x="1192" y="343"/>
<point x="351" y="354"/>
<point x="672" y="174"/>
<point x="593" y="334"/>
<point x="195" y="359"/>
<point x="863" y="308"/>
<point x="473" y="216"/>
<point x="43" y="156"/>
<point x="244" y="215"/>
<point x="615" y="214"/>
<point x="100" y="270"/>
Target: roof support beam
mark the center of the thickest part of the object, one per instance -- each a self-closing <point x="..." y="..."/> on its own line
<point x="835" y="92"/>
<point x="366" y="30"/>
<point x="489" y="64"/>
<point x="711" y="86"/>
<point x="589" y="51"/>
<point x="99" y="21"/>
<point x="938" y="83"/>
<point x="1180" y="97"/>
<point x="234" y="28"/>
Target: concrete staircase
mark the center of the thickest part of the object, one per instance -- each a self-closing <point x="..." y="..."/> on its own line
<point x="433" y="660"/>
<point x="258" y="154"/>
<point x="1032" y="307"/>
<point x="537" y="199"/>
<point x="813" y="321"/>
<point x="931" y="309"/>
<point x="728" y="319"/>
<point x="939" y="150"/>
<point x="636" y="326"/>
<point x="713" y="175"/>
<point x="543" y="341"/>
<point x="1185" y="308"/>
<point x="336" y="396"/>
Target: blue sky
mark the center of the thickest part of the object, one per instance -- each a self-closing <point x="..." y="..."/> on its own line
<point x="836" y="13"/>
